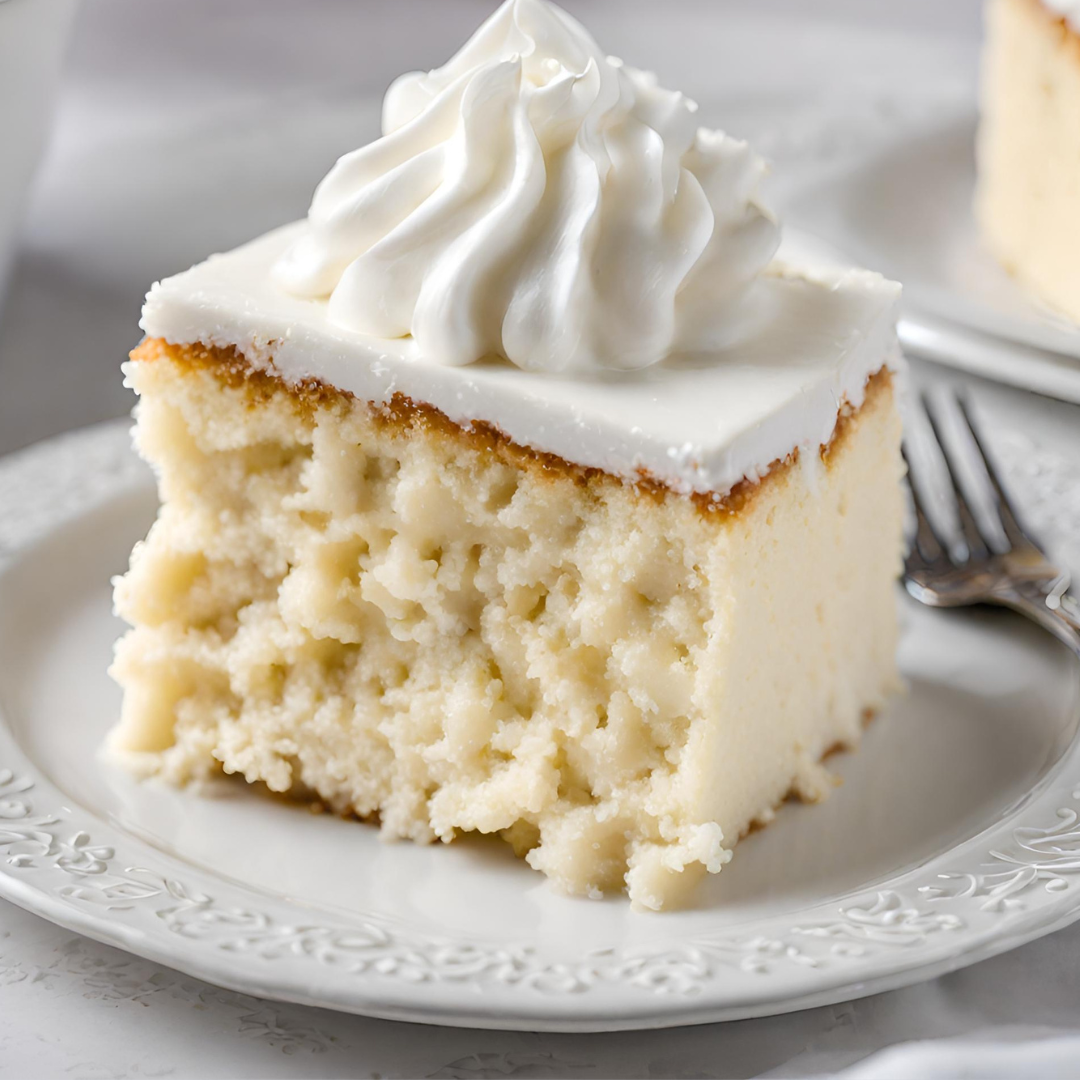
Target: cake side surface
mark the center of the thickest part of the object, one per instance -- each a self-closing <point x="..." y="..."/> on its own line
<point x="1028" y="195"/>
<point x="394" y="614"/>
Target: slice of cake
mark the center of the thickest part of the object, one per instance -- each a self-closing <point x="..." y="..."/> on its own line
<point x="1028" y="197"/>
<point x="512" y="491"/>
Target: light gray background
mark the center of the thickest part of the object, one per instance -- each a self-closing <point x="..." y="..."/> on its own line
<point x="185" y="128"/>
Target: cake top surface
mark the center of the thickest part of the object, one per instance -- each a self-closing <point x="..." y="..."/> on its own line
<point x="698" y="422"/>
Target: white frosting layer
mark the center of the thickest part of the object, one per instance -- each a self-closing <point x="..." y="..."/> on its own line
<point x="537" y="200"/>
<point x="1069" y="10"/>
<point x="699" y="422"/>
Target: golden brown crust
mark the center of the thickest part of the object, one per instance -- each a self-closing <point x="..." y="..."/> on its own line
<point x="1069" y="35"/>
<point x="404" y="414"/>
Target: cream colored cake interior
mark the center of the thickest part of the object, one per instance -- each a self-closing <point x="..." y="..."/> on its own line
<point x="415" y="623"/>
<point x="1028" y="199"/>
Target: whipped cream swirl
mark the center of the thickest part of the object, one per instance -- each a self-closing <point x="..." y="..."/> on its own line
<point x="537" y="200"/>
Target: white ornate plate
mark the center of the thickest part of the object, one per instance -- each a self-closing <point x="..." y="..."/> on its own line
<point x="906" y="210"/>
<point x="955" y="834"/>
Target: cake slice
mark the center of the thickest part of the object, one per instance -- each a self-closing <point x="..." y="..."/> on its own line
<point x="469" y="524"/>
<point x="1028" y="197"/>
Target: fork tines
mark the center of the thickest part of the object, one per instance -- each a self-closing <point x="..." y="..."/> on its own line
<point x="980" y="519"/>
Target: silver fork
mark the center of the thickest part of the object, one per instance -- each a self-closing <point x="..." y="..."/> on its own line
<point x="980" y="564"/>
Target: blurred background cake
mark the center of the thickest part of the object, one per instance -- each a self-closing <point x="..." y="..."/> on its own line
<point x="1028" y="198"/>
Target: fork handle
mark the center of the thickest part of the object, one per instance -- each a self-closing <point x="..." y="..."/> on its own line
<point x="1058" y="619"/>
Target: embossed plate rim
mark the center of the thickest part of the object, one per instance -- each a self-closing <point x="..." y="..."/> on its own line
<point x="1016" y="880"/>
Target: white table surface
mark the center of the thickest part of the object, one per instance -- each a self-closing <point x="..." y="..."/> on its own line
<point x="187" y="128"/>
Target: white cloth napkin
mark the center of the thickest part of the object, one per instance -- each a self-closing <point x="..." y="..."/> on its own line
<point x="1004" y="1053"/>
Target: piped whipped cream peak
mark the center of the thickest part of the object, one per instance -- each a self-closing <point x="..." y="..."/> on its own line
<point x="537" y="200"/>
